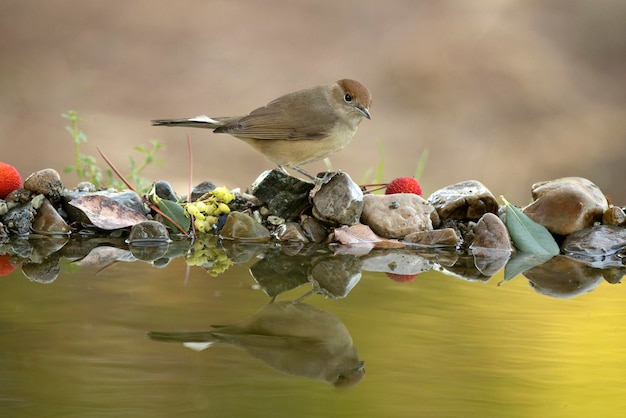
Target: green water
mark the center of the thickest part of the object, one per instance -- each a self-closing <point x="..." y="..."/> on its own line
<point x="434" y="347"/>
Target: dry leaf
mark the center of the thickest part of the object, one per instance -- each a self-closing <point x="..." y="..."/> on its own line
<point x="106" y="213"/>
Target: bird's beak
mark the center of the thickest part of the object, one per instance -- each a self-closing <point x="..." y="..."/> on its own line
<point x="365" y="111"/>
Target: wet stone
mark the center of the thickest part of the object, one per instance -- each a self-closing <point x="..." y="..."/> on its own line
<point x="291" y="232"/>
<point x="614" y="215"/>
<point x="239" y="226"/>
<point x="490" y="232"/>
<point x="597" y="241"/>
<point x="549" y="279"/>
<point x="437" y="238"/>
<point x="284" y="195"/>
<point x="566" y="205"/>
<point x="148" y="232"/>
<point x="48" y="221"/>
<point x="47" y="182"/>
<point x="404" y="262"/>
<point x="313" y="229"/>
<point x="396" y="215"/>
<point x="466" y="200"/>
<point x="337" y="200"/>
<point x="165" y="191"/>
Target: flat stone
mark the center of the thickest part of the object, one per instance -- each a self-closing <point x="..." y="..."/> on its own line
<point x="396" y="215"/>
<point x="337" y="200"/>
<point x="597" y="241"/>
<point x="466" y="200"/>
<point x="437" y="237"/>
<point x="566" y="205"/>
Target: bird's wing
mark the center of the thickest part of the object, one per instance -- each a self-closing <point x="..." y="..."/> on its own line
<point x="286" y="118"/>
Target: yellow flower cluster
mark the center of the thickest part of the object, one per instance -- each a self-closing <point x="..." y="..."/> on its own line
<point x="207" y="209"/>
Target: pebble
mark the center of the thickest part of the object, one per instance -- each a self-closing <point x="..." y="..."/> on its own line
<point x="466" y="200"/>
<point x="19" y="220"/>
<point x="396" y="215"/>
<point x="201" y="189"/>
<point x="47" y="182"/>
<point x="313" y="229"/>
<point x="290" y="232"/>
<point x="490" y="232"/>
<point x="566" y="205"/>
<point x="337" y="200"/>
<point x="240" y="226"/>
<point x="148" y="233"/>
<point x="614" y="215"/>
<point x="48" y="220"/>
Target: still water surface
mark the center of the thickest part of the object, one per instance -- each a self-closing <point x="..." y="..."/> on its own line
<point x="434" y="347"/>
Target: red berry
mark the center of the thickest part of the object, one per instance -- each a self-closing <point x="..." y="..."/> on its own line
<point x="6" y="267"/>
<point x="404" y="185"/>
<point x="401" y="278"/>
<point x="9" y="179"/>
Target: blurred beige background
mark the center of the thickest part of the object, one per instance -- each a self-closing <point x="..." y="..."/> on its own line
<point x="505" y="92"/>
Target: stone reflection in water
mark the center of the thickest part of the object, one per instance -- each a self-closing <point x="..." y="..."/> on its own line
<point x="292" y="337"/>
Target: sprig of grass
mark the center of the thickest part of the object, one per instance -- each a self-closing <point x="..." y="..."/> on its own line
<point x="86" y="169"/>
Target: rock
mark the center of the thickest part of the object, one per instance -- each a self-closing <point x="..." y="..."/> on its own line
<point x="334" y="276"/>
<point x="165" y="191"/>
<point x="396" y="215"/>
<point x="337" y="200"/>
<point x="126" y="198"/>
<point x="313" y="229"/>
<point x="290" y="232"/>
<point x="201" y="189"/>
<point x="148" y="233"/>
<point x="466" y="200"/>
<point x="46" y="182"/>
<point x="437" y="237"/>
<point x="566" y="205"/>
<point x="490" y="232"/>
<point x="242" y="227"/>
<point x="284" y="195"/>
<point x="597" y="241"/>
<point x="614" y="215"/>
<point x="19" y="220"/>
<point x="48" y="221"/>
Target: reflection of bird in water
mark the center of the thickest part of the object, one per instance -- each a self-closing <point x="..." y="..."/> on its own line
<point x="294" y="338"/>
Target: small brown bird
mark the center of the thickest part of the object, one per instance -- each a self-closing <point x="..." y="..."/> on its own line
<point x="297" y="128"/>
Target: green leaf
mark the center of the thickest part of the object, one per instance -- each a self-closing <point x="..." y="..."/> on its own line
<point x="527" y="235"/>
<point x="176" y="212"/>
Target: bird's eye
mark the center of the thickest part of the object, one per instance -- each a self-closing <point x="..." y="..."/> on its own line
<point x="348" y="97"/>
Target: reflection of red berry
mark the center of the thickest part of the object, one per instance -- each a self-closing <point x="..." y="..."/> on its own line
<point x="9" y="179"/>
<point x="401" y="278"/>
<point x="404" y="185"/>
<point x="5" y="265"/>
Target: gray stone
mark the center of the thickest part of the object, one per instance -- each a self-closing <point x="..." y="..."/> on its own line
<point x="284" y="195"/>
<point x="396" y="215"/>
<point x="337" y="200"/>
<point x="148" y="232"/>
<point x="566" y="205"/>
<point x="466" y="200"/>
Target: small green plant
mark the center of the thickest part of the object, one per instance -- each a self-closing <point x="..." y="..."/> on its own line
<point x="86" y="168"/>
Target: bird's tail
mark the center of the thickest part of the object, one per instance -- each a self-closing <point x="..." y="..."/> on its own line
<point x="183" y="337"/>
<point x="201" y="121"/>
